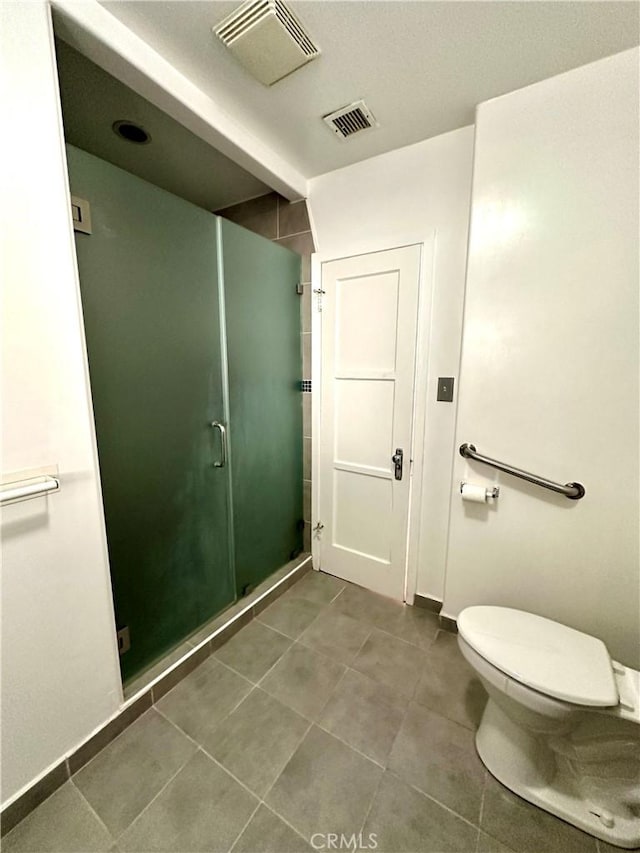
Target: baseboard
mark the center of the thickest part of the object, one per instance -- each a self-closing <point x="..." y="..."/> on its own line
<point x="447" y="623"/>
<point x="434" y="605"/>
<point x="427" y="603"/>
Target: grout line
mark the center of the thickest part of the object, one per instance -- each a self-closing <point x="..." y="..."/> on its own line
<point x="375" y="794"/>
<point x="271" y="668"/>
<point x="251" y="816"/>
<point x="355" y="749"/>
<point x="294" y="234"/>
<point x="477" y="847"/>
<point x="95" y="813"/>
<point x="484" y="789"/>
<point x="202" y="749"/>
<point x="256" y="683"/>
<point x="431" y="797"/>
<point x="362" y="645"/>
<point x="279" y="774"/>
<point x="163" y="788"/>
<point x="284" y="820"/>
<point x="266" y="625"/>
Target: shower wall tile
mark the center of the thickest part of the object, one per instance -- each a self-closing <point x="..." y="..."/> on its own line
<point x="305" y="309"/>
<point x="306" y="458"/>
<point x="306" y="355"/>
<point x="293" y="217"/>
<point x="306" y="502"/>
<point x="306" y="416"/>
<point x="303" y="245"/>
<point x="259" y="215"/>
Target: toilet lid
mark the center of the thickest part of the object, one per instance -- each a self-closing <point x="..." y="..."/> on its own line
<point x="542" y="654"/>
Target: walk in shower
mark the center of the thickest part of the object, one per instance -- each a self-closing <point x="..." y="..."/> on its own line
<point x="193" y="337"/>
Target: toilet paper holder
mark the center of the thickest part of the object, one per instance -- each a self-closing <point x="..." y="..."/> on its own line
<point x="490" y="492"/>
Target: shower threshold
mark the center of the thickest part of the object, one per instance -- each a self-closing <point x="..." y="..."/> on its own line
<point x="222" y="627"/>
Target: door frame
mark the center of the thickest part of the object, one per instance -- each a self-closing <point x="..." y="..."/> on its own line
<point x="416" y="454"/>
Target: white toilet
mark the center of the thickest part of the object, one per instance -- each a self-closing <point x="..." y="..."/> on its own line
<point x="562" y="724"/>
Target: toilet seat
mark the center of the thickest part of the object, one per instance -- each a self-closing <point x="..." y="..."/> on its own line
<point x="551" y="658"/>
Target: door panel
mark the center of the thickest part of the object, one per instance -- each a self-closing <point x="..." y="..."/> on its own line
<point x="265" y="420"/>
<point x="148" y="277"/>
<point x="369" y="318"/>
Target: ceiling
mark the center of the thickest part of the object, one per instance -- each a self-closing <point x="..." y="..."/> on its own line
<point x="175" y="159"/>
<point x="422" y="67"/>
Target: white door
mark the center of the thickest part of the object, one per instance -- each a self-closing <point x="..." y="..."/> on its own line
<point x="369" y="319"/>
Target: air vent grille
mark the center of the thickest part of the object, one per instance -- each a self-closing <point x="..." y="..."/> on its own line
<point x="268" y="39"/>
<point x="350" y="119"/>
<point x="242" y="20"/>
<point x="294" y="28"/>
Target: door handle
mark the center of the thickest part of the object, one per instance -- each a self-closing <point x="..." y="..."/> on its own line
<point x="223" y="444"/>
<point x="397" y="461"/>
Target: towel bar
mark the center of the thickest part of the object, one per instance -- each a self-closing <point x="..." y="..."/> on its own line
<point x="25" y="489"/>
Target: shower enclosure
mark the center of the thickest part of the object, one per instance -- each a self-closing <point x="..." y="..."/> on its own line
<point x="193" y="338"/>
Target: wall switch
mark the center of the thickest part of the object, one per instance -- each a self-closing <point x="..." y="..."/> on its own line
<point x="81" y="214"/>
<point x="445" y="389"/>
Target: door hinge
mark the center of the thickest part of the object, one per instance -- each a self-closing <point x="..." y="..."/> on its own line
<point x="319" y="293"/>
<point x="299" y="289"/>
<point x="124" y="640"/>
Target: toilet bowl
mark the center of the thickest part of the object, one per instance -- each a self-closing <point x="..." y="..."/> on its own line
<point x="561" y="727"/>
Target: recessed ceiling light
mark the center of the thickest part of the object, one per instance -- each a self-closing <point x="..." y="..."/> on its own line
<point x="131" y="132"/>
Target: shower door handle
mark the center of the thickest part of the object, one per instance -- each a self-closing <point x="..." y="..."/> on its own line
<point x="223" y="444"/>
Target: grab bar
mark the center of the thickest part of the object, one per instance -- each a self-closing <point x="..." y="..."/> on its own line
<point x="25" y="489"/>
<point x="573" y="491"/>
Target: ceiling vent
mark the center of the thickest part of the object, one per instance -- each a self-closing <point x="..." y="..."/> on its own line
<point x="268" y="39"/>
<point x="350" y="119"/>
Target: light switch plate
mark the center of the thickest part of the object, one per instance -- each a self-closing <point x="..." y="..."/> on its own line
<point x="81" y="214"/>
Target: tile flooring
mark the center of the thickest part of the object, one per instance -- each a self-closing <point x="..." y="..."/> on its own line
<point x="336" y="711"/>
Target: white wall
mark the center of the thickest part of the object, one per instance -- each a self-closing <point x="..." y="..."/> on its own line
<point x="395" y="199"/>
<point x="549" y="375"/>
<point x="60" y="675"/>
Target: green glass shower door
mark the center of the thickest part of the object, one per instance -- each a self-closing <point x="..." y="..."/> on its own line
<point x="265" y="403"/>
<point x="148" y="276"/>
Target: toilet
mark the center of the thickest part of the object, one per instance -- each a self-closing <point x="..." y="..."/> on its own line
<point x="561" y="727"/>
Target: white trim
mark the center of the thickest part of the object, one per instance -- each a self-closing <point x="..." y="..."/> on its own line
<point x="102" y="38"/>
<point x="317" y="260"/>
<point x="423" y="343"/>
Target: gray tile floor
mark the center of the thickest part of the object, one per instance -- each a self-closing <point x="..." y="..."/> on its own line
<point x="336" y="711"/>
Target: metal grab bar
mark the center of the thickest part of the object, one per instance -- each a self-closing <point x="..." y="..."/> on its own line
<point x="573" y="491"/>
<point x="25" y="489"/>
